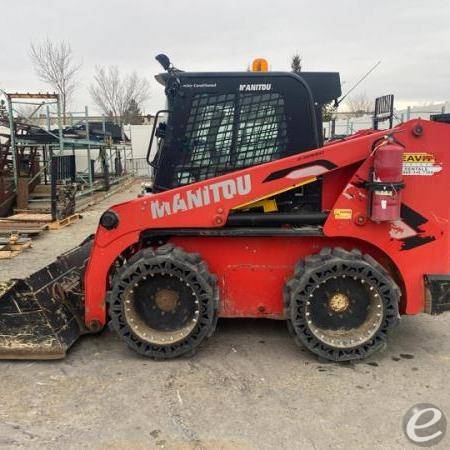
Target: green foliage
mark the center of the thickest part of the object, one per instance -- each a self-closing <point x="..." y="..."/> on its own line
<point x="296" y="63"/>
<point x="328" y="112"/>
<point x="2" y="109"/>
<point x="133" y="114"/>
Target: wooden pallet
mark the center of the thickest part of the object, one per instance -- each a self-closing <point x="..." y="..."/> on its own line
<point x="27" y="228"/>
<point x="58" y="224"/>
<point x="28" y="217"/>
<point x="23" y="221"/>
<point x="12" y="245"/>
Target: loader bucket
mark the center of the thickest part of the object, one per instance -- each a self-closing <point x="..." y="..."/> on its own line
<point x="43" y="315"/>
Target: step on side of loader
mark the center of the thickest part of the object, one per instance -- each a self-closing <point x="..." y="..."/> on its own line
<point x="43" y="315"/>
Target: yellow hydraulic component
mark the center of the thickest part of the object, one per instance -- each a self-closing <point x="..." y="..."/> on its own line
<point x="269" y="204"/>
<point x="260" y="65"/>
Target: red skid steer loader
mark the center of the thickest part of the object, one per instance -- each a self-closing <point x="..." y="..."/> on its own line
<point x="251" y="214"/>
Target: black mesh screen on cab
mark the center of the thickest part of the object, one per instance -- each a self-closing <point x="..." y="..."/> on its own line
<point x="228" y="132"/>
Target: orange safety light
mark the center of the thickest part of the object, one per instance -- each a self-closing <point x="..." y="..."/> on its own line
<point x="260" y="65"/>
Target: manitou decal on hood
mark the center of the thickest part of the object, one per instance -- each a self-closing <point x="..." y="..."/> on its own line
<point x="255" y="87"/>
<point x="203" y="196"/>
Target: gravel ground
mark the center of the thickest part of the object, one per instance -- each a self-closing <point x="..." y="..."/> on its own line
<point x="249" y="387"/>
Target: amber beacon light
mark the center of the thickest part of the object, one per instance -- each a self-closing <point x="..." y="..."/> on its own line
<point x="260" y="65"/>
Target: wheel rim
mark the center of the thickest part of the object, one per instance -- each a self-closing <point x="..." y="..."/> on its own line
<point x="343" y="311"/>
<point x="162" y="309"/>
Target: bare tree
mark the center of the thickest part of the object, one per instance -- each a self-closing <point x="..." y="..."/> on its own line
<point x="296" y="63"/>
<point x="113" y="93"/>
<point x="54" y="63"/>
<point x="359" y="105"/>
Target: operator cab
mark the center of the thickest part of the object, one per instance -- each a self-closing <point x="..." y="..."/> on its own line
<point x="219" y="122"/>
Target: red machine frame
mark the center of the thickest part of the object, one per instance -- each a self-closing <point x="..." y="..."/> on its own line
<point x="252" y="270"/>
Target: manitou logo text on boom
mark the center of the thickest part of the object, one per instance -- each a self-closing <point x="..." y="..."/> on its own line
<point x="203" y="196"/>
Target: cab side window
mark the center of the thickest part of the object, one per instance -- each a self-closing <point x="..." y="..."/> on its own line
<point x="227" y="132"/>
<point x="262" y="133"/>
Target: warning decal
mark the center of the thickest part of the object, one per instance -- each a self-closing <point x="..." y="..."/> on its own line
<point x="342" y="214"/>
<point x="420" y="163"/>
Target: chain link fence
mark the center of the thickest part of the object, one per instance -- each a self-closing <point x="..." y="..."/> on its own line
<point x="345" y="124"/>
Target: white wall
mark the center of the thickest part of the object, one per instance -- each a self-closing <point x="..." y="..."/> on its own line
<point x="140" y="138"/>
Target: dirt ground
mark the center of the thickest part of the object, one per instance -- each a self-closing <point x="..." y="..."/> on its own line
<point x="249" y="387"/>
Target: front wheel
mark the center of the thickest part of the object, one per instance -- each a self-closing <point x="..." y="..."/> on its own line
<point x="164" y="302"/>
<point x="341" y="305"/>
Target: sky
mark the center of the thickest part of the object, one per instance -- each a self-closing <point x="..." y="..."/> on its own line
<point x="410" y="37"/>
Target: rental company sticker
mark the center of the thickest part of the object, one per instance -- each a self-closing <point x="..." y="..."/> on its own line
<point x="342" y="214"/>
<point x="420" y="163"/>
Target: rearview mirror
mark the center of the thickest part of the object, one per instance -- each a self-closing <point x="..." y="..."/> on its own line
<point x="163" y="60"/>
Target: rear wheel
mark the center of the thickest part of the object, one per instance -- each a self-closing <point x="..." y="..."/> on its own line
<point x="163" y="303"/>
<point x="341" y="305"/>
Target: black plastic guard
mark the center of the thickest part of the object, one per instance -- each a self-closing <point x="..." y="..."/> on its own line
<point x="43" y="315"/>
<point x="437" y="293"/>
